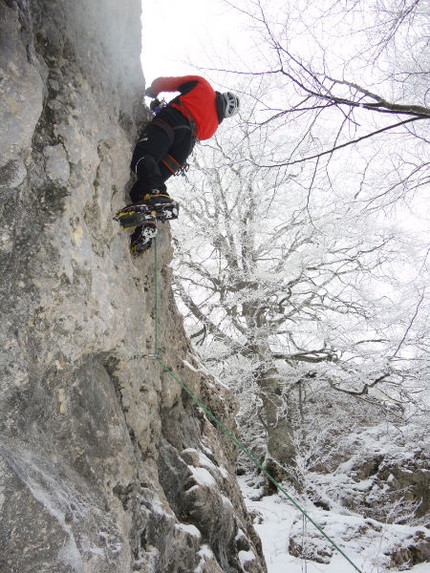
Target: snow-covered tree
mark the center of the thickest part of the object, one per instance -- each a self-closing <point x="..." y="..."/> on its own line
<point x="307" y="265"/>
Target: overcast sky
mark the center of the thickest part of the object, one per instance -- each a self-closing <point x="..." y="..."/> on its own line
<point x="193" y="31"/>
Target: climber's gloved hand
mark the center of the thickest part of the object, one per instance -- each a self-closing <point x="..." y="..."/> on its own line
<point x="149" y="93"/>
<point x="156" y="105"/>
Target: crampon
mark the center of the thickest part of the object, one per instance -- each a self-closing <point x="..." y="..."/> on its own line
<point x="136" y="215"/>
<point x="141" y="239"/>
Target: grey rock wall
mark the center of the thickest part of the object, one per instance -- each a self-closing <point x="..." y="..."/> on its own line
<point x="106" y="464"/>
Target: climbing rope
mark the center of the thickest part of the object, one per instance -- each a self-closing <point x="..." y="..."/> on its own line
<point x="211" y="416"/>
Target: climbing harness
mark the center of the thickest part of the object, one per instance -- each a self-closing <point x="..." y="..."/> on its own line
<point x="169" y="161"/>
<point x="196" y="400"/>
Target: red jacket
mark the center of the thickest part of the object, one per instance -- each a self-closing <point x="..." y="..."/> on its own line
<point x="197" y="99"/>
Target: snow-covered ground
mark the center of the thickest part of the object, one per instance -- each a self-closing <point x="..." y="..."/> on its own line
<point x="363" y="541"/>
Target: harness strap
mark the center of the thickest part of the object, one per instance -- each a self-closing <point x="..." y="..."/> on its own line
<point x="180" y="106"/>
<point x="166" y="127"/>
<point x="171" y="164"/>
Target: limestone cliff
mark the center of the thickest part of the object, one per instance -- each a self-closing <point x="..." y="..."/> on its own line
<point x="106" y="465"/>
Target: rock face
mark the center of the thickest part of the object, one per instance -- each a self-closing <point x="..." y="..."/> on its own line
<point x="106" y="463"/>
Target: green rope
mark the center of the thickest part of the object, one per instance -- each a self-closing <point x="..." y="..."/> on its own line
<point x="224" y="429"/>
<point x="156" y="294"/>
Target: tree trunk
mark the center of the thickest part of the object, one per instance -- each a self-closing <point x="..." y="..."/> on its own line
<point x="280" y="443"/>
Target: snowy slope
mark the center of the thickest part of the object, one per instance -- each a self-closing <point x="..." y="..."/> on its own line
<point x="364" y="541"/>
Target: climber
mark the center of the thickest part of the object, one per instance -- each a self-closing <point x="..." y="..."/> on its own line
<point x="166" y="143"/>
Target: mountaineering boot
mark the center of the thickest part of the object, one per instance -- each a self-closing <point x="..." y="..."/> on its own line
<point x="158" y="205"/>
<point x="141" y="239"/>
<point x="162" y="205"/>
<point x="155" y="197"/>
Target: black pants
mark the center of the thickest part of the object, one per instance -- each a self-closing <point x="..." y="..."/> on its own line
<point x="169" y="133"/>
